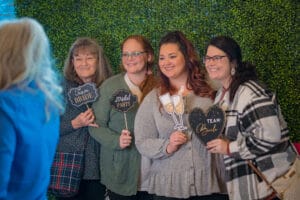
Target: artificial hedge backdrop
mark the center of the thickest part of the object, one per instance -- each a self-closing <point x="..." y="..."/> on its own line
<point x="267" y="30"/>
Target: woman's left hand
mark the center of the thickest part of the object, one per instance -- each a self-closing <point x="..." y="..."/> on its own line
<point x="218" y="146"/>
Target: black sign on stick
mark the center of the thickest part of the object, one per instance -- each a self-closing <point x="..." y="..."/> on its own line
<point x="207" y="126"/>
<point x="122" y="101"/>
<point x="83" y="94"/>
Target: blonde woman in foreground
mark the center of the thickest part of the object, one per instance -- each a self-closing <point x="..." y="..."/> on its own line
<point x="30" y="105"/>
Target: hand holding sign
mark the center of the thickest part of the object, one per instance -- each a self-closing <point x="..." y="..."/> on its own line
<point x="122" y="101"/>
<point x="125" y="139"/>
<point x="207" y="127"/>
<point x="86" y="118"/>
<point x="79" y="96"/>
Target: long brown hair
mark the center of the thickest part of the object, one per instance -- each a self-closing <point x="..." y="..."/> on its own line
<point x="196" y="74"/>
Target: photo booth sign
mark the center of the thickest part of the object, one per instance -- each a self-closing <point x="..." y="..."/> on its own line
<point x="207" y="126"/>
<point x="83" y="94"/>
<point x="123" y="101"/>
<point x="174" y="106"/>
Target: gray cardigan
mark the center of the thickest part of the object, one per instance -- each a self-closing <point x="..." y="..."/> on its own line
<point x="192" y="170"/>
<point x="73" y="139"/>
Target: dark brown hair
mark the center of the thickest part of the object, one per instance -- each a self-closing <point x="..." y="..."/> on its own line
<point x="244" y="71"/>
<point x="196" y="73"/>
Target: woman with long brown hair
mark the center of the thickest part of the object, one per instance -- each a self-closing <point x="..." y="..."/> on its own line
<point x="180" y="167"/>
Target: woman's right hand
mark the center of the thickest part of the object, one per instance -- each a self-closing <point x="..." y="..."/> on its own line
<point x="86" y="118"/>
<point x="125" y="139"/>
<point x="177" y="139"/>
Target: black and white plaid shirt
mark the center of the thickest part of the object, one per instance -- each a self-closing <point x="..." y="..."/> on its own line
<point x="257" y="132"/>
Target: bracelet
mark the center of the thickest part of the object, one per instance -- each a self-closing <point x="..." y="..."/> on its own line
<point x="228" y="150"/>
<point x="167" y="150"/>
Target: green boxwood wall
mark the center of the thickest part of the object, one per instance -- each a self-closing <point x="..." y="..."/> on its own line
<point x="267" y="30"/>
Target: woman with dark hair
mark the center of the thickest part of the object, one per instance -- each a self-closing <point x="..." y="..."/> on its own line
<point x="255" y="129"/>
<point x="119" y="160"/>
<point x="85" y="63"/>
<point x="180" y="167"/>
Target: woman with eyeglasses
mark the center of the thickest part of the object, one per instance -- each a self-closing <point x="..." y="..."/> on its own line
<point x="181" y="167"/>
<point x="115" y="111"/>
<point x="255" y="129"/>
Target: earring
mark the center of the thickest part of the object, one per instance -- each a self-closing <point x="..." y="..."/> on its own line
<point x="232" y="72"/>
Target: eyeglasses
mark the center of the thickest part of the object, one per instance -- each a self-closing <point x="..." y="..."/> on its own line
<point x="133" y="54"/>
<point x="213" y="58"/>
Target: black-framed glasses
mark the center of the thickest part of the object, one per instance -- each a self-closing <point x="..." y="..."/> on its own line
<point x="132" y="54"/>
<point x="213" y="58"/>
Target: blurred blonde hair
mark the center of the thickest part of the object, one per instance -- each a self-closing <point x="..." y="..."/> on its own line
<point x="25" y="56"/>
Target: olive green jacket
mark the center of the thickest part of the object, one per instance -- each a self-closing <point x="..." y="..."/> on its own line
<point x="120" y="168"/>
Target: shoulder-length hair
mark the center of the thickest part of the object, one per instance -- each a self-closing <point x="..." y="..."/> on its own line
<point x="244" y="71"/>
<point x="103" y="69"/>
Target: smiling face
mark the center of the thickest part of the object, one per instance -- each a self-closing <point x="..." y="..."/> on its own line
<point x="218" y="65"/>
<point x="85" y="63"/>
<point x="134" y="57"/>
<point x="172" y="62"/>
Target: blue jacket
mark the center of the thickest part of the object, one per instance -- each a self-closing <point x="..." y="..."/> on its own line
<point x="27" y="143"/>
